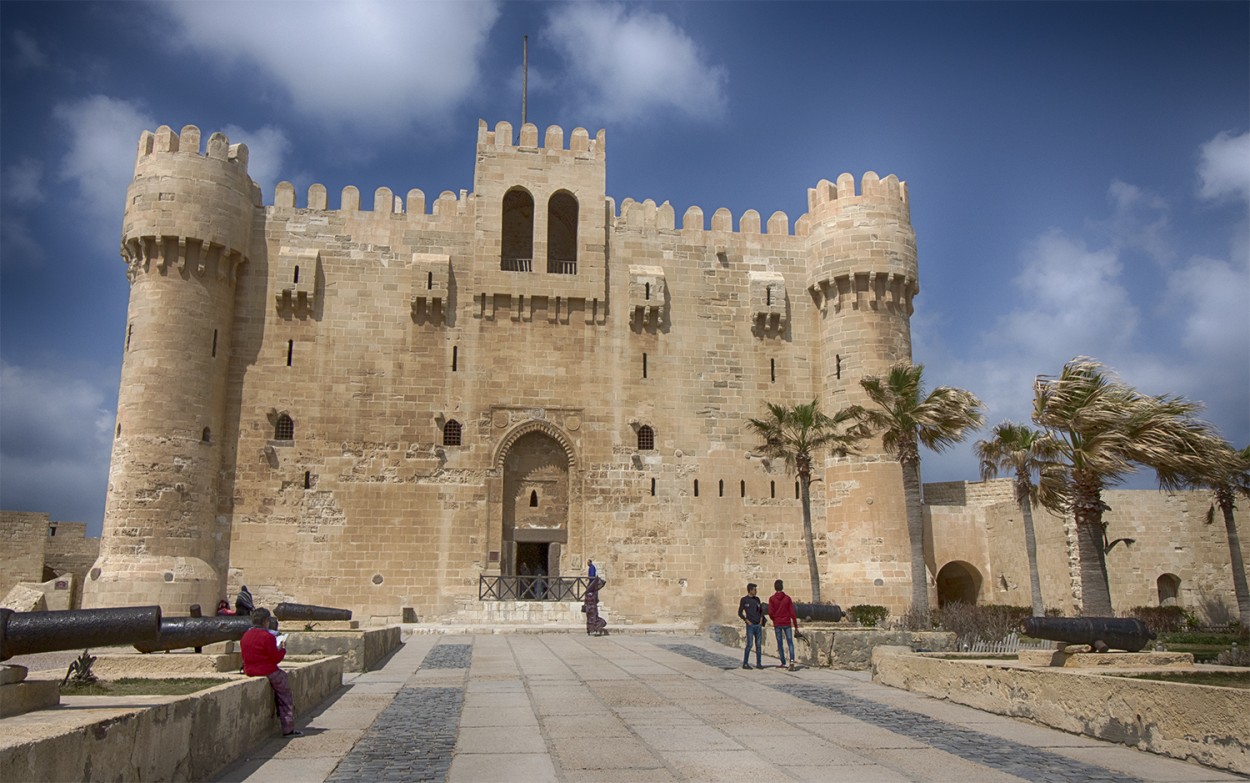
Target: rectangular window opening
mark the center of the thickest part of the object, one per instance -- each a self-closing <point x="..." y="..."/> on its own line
<point x="743" y="486"/>
<point x="837" y="367"/>
<point x="696" y="487"/>
<point x="772" y="369"/>
<point x="455" y="357"/>
<point x="214" y="343"/>
<point x="652" y="487"/>
<point x="290" y="351"/>
<point x="772" y="490"/>
<point x="721" y="488"/>
<point x="644" y="365"/>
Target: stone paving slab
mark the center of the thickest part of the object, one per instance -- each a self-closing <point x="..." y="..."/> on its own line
<point x="564" y="708"/>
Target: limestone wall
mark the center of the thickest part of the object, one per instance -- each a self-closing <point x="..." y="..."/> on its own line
<point x="1171" y="533"/>
<point x="22" y="536"/>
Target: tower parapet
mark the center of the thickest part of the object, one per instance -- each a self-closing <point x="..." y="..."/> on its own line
<point x="187" y="228"/>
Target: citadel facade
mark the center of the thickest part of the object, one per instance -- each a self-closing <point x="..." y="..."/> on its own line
<point x="376" y="408"/>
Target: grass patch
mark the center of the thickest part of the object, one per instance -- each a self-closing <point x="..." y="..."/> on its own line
<point x="1220" y="679"/>
<point x="135" y="686"/>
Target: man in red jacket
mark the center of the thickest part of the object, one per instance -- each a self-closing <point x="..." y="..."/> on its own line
<point x="261" y="656"/>
<point x="785" y="621"/>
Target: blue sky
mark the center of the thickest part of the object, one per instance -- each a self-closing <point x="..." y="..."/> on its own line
<point x="1079" y="172"/>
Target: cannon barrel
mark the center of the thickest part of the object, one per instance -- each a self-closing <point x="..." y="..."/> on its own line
<point x="179" y="632"/>
<point x="1101" y="633"/>
<point x="23" y="633"/>
<point x="307" y="612"/>
<point x="819" y="613"/>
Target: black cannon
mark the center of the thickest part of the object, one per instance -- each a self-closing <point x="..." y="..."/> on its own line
<point x="1100" y="633"/>
<point x="819" y="613"/>
<point x="179" y="632"/>
<point x="307" y="612"/>
<point x="23" y="633"/>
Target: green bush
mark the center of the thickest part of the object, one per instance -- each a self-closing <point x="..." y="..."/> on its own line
<point x="868" y="615"/>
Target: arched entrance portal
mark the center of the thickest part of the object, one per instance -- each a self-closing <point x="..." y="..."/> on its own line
<point x="535" y="505"/>
<point x="958" y="582"/>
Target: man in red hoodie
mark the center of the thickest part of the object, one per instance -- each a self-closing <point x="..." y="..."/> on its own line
<point x="261" y="656"/>
<point x="785" y="621"/>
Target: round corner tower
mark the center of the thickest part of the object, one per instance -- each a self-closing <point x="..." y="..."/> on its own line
<point x="188" y="226"/>
<point x="863" y="276"/>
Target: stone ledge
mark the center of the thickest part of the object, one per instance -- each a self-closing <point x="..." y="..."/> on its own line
<point x="19" y="698"/>
<point x="156" y="737"/>
<point x="1207" y="724"/>
<point x="360" y="649"/>
<point x="1108" y="660"/>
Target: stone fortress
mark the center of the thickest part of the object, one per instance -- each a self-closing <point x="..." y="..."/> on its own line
<point x="375" y="409"/>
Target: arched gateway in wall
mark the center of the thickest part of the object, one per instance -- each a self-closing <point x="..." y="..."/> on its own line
<point x="533" y="517"/>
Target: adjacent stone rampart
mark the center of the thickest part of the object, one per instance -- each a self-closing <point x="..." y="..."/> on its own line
<point x="1210" y="725"/>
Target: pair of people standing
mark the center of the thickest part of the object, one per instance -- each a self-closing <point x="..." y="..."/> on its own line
<point x="785" y="622"/>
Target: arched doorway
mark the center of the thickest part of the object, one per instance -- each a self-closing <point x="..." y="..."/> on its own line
<point x="1169" y="589"/>
<point x="958" y="582"/>
<point x="535" y="505"/>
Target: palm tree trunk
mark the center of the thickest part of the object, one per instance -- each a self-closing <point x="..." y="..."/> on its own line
<point x="813" y="570"/>
<point x="1238" y="563"/>
<point x="1088" y="506"/>
<point x="1030" y="546"/>
<point x="915" y="532"/>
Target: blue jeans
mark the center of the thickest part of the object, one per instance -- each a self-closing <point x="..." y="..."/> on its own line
<point x="787" y="633"/>
<point x="754" y="632"/>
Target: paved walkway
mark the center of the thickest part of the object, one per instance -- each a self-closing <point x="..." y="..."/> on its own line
<point x="481" y="708"/>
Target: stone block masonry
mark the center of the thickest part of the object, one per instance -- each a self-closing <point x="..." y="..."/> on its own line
<point x="375" y="408"/>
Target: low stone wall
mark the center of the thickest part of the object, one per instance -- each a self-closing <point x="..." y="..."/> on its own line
<point x="839" y="648"/>
<point x="185" y="738"/>
<point x="360" y="649"/>
<point x="1207" y="724"/>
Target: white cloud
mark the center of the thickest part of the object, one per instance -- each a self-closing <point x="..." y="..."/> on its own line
<point x="18" y="246"/>
<point x="267" y="148"/>
<point x="1224" y="167"/>
<point x="1139" y="220"/>
<point x="1074" y="302"/>
<point x="378" y="64"/>
<point x="55" y="439"/>
<point x="23" y="182"/>
<point x="103" y="135"/>
<point x="624" y="62"/>
<point x="28" y="53"/>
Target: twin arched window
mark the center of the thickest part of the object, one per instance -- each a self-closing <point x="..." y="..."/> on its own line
<point x="516" y="252"/>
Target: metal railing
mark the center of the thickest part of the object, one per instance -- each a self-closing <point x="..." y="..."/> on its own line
<point x="532" y="588"/>
<point x="516" y="264"/>
<point x="557" y="267"/>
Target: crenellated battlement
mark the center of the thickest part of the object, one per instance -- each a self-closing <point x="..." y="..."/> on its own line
<point x="580" y="143"/>
<point x="824" y="201"/>
<point x="187" y="142"/>
<point x="385" y="202"/>
<point x="828" y="199"/>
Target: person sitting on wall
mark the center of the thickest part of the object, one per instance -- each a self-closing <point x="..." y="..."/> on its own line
<point x="261" y="656"/>
<point x="243" y="604"/>
<point x="223" y="608"/>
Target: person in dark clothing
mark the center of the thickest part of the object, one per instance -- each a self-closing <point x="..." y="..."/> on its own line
<point x="751" y="612"/>
<point x="243" y="604"/>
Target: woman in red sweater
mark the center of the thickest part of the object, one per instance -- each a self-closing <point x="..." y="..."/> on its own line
<point x="261" y="656"/>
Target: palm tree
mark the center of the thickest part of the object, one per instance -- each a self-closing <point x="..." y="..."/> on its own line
<point x="1025" y="452"/>
<point x="1228" y="478"/>
<point x="794" y="435"/>
<point x="906" y="419"/>
<point x="1103" y="429"/>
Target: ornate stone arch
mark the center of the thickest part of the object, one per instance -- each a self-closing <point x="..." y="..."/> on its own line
<point x="536" y="425"/>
